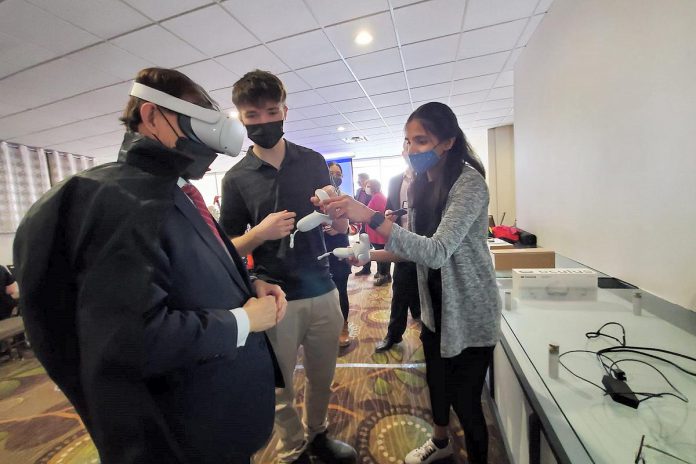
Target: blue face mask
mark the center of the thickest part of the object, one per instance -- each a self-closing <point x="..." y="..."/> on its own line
<point x="421" y="162"/>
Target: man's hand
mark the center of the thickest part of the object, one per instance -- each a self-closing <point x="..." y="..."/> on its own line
<point x="265" y="289"/>
<point x="275" y="226"/>
<point x="262" y="313"/>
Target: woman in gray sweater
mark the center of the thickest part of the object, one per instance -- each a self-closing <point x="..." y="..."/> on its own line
<point x="459" y="298"/>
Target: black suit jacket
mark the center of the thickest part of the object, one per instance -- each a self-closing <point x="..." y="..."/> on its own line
<point x="126" y="297"/>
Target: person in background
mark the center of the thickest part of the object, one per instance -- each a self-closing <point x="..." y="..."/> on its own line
<point x="405" y="285"/>
<point x="378" y="202"/>
<point x="9" y="293"/>
<point x="139" y="308"/>
<point x="460" y="305"/>
<point x="363" y="197"/>
<point x="340" y="269"/>
<point x="267" y="189"/>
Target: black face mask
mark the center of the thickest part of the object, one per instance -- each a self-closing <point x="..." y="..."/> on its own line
<point x="336" y="181"/>
<point x="202" y="155"/>
<point x="265" y="135"/>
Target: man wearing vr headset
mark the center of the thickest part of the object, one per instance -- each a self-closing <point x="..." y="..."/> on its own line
<point x="271" y="186"/>
<point x="138" y="306"/>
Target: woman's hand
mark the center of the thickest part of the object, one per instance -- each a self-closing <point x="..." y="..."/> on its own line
<point x="345" y="207"/>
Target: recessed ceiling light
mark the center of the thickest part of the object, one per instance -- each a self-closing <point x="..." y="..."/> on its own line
<point x="363" y="38"/>
<point x="340" y="128"/>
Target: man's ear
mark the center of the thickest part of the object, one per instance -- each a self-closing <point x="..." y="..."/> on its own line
<point x="148" y="113"/>
<point x="285" y="111"/>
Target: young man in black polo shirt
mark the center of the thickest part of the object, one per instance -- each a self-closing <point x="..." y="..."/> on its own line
<point x="268" y="189"/>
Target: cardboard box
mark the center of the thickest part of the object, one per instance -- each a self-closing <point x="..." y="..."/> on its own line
<point x="497" y="244"/>
<point x="523" y="258"/>
<point x="554" y="284"/>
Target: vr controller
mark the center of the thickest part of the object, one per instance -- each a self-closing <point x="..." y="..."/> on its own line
<point x="312" y="220"/>
<point x="361" y="251"/>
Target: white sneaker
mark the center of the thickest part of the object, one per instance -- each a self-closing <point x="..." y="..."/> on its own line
<point x="428" y="452"/>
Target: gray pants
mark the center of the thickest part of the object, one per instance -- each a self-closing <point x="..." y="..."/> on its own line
<point x="314" y="323"/>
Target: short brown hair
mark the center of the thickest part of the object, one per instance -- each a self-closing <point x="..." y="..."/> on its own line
<point x="169" y="81"/>
<point x="256" y="87"/>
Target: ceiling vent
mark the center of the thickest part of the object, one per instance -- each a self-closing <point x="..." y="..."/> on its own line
<point x="355" y="139"/>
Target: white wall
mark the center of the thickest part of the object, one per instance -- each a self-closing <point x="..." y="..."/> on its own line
<point x="605" y="109"/>
<point x="501" y="174"/>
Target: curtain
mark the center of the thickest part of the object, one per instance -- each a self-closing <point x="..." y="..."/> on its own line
<point x="62" y="165"/>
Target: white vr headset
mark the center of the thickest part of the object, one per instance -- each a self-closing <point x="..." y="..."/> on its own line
<point x="213" y="128"/>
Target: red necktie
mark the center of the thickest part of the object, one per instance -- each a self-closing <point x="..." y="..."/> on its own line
<point x="192" y="192"/>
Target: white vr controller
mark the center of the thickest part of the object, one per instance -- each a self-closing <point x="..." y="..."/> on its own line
<point x="361" y="251"/>
<point x="312" y="220"/>
<point x="213" y="128"/>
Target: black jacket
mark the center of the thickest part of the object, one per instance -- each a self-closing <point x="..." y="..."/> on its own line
<point x="126" y="296"/>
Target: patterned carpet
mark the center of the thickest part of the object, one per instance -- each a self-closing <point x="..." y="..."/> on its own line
<point x="380" y="403"/>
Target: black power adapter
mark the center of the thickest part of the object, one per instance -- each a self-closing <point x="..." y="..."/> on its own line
<point x="620" y="392"/>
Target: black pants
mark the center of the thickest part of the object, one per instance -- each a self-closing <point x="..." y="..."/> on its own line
<point x="457" y="382"/>
<point x="341" y="282"/>
<point x="383" y="268"/>
<point x="404" y="296"/>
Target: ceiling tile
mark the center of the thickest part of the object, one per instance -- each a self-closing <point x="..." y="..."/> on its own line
<point x="435" y="51"/>
<point x="497" y="113"/>
<point x="391" y="98"/>
<point x="396" y="120"/>
<point x="431" y="92"/>
<point x="514" y="56"/>
<point x="474" y="84"/>
<point x="364" y="115"/>
<point x="497" y="104"/>
<point x="396" y="110"/>
<point x="534" y="22"/>
<point x="260" y="57"/>
<point x="159" y="46"/>
<point x="336" y="11"/>
<point x="341" y="92"/>
<point x="272" y="19"/>
<point x="490" y="39"/>
<point x="443" y="100"/>
<point x="482" y="13"/>
<point x="376" y="64"/>
<point x="210" y="75"/>
<point x="371" y="124"/>
<point x="103" y="18"/>
<point x="223" y="97"/>
<point x="313" y="132"/>
<point x="504" y="79"/>
<point x="317" y="111"/>
<point x="306" y="98"/>
<point x="292" y="82"/>
<point x="95" y="103"/>
<point x="6" y="109"/>
<point x="428" y="20"/>
<point x="430" y="75"/>
<point x="326" y="74"/>
<point x="111" y="59"/>
<point x="160" y="9"/>
<point x="380" y="26"/>
<point x="17" y="54"/>
<point x="73" y="131"/>
<point x="211" y="30"/>
<point x="384" y="84"/>
<point x="400" y="3"/>
<point x="299" y="125"/>
<point x="46" y="31"/>
<point x="480" y="66"/>
<point x="354" y="104"/>
<point x="375" y="131"/>
<point x="305" y="50"/>
<point x="333" y="120"/>
<point x="501" y="92"/>
<point x="468" y="98"/>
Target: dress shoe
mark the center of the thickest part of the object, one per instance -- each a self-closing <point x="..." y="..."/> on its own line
<point x="332" y="451"/>
<point x="386" y="344"/>
<point x="377" y="275"/>
<point x="344" y="338"/>
<point x="383" y="280"/>
<point x="363" y="272"/>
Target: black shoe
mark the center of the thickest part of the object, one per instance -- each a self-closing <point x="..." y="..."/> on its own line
<point x="386" y="344"/>
<point x="363" y="272"/>
<point x="332" y="451"/>
<point x="303" y="459"/>
<point x="382" y="280"/>
<point x="377" y="275"/>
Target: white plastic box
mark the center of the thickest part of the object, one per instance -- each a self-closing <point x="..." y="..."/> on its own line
<point x="554" y="284"/>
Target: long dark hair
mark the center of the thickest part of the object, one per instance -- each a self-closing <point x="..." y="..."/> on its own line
<point x="439" y="120"/>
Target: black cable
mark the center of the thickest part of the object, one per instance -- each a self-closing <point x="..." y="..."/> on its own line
<point x="573" y="373"/>
<point x="654" y="395"/>
<point x="634" y="349"/>
<point x="599" y="333"/>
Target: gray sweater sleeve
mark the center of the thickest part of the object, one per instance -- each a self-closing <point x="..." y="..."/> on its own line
<point x="467" y="197"/>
